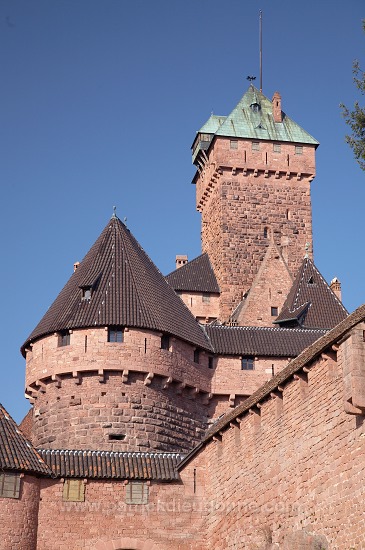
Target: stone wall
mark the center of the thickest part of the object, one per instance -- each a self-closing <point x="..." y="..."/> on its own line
<point x="290" y="472"/>
<point x="247" y="198"/>
<point x="19" y="517"/>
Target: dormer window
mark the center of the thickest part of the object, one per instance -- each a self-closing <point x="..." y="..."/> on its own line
<point x="86" y="293"/>
<point x="255" y="107"/>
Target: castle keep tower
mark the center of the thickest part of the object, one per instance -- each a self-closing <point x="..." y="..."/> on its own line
<point x="254" y="169"/>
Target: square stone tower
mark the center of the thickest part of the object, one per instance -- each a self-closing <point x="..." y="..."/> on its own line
<point x="254" y="169"/>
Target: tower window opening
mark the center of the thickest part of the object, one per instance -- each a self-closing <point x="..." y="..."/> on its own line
<point x="116" y="437"/>
<point x="86" y="293"/>
<point x="277" y="148"/>
<point x="64" y="338"/>
<point x="265" y="158"/>
<point x="136" y="493"/>
<point x="274" y="311"/>
<point x="298" y="149"/>
<point x="233" y="144"/>
<point x="116" y="334"/>
<point x="255" y="107"/>
<point x="247" y="363"/>
<point x="287" y="159"/>
<point x="206" y="298"/>
<point x="265" y="232"/>
<point x="245" y="156"/>
<point x="197" y="356"/>
<point x="9" y="485"/>
<point x="210" y="362"/>
<point x="165" y="341"/>
<point x="255" y="146"/>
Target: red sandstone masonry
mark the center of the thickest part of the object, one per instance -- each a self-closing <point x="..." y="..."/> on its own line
<point x="291" y="470"/>
<point x="19" y="517"/>
<point x="241" y="195"/>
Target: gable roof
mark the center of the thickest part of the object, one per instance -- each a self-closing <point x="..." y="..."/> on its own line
<point x="112" y="464"/>
<point x="243" y="122"/>
<point x="16" y="453"/>
<point x="261" y="341"/>
<point x="311" y="303"/>
<point x="194" y="276"/>
<point x="127" y="289"/>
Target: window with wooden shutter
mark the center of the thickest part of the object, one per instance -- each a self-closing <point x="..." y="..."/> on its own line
<point x="74" y="490"/>
<point x="136" y="493"/>
<point x="9" y="485"/>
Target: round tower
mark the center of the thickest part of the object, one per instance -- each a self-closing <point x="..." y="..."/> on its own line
<point x="118" y="362"/>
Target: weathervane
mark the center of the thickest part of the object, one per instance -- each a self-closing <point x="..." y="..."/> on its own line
<point x="114" y="212"/>
<point x="251" y="78"/>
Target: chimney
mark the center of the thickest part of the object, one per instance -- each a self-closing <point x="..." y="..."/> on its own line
<point x="335" y="286"/>
<point x="76" y="265"/>
<point x="181" y="260"/>
<point x="276" y="107"/>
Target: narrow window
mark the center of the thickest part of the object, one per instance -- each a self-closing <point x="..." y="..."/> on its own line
<point x="9" y="485"/>
<point x="206" y="298"/>
<point x="274" y="311"/>
<point x="265" y="232"/>
<point x="244" y="156"/>
<point x="277" y="147"/>
<point x="64" y="338"/>
<point x="116" y="334"/>
<point x="298" y="150"/>
<point x="196" y="356"/>
<point x="265" y="158"/>
<point x="247" y="363"/>
<point x="210" y="362"/>
<point x="255" y="146"/>
<point x="287" y="160"/>
<point x="165" y="341"/>
<point x="74" y="490"/>
<point x="233" y="144"/>
<point x="136" y="493"/>
<point x="116" y="437"/>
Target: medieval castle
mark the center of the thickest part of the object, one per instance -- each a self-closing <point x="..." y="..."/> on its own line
<point x="221" y="406"/>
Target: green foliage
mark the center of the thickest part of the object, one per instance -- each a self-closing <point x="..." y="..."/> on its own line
<point x="356" y="118"/>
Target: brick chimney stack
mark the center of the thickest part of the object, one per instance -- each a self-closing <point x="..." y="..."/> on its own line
<point x="335" y="286"/>
<point x="276" y="107"/>
<point x="181" y="260"/>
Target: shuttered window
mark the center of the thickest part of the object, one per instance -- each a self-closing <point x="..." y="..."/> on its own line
<point x="136" y="493"/>
<point x="74" y="490"/>
<point x="9" y="485"/>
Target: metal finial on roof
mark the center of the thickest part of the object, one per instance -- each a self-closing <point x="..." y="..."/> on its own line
<point x="251" y="78"/>
<point x="307" y="245"/>
<point x="125" y="221"/>
<point x="114" y="212"/>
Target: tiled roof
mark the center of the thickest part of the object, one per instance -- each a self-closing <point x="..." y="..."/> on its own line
<point x="112" y="465"/>
<point x="195" y="276"/>
<point x="16" y="453"/>
<point x="264" y="341"/>
<point x="311" y="303"/>
<point x="243" y="122"/>
<point x="305" y="358"/>
<point x="127" y="289"/>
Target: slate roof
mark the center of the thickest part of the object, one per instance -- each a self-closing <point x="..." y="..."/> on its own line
<point x="260" y="341"/>
<point x="311" y="303"/>
<point x="243" y="122"/>
<point x="194" y="276"/>
<point x="112" y="465"/>
<point x="305" y="358"/>
<point x="127" y="289"/>
<point x="16" y="453"/>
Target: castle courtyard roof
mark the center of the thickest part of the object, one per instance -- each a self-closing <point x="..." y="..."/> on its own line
<point x="195" y="276"/>
<point x="112" y="465"/>
<point x="117" y="284"/>
<point x="264" y="341"/>
<point x="16" y="453"/>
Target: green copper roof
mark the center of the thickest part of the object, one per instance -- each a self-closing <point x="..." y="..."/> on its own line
<point x="244" y="122"/>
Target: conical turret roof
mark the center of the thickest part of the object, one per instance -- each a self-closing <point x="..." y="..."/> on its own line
<point x="117" y="284"/>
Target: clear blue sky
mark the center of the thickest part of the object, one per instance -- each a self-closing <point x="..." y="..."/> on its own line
<point x="99" y="104"/>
